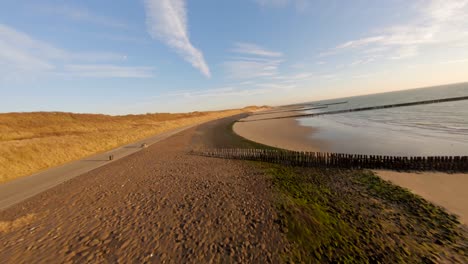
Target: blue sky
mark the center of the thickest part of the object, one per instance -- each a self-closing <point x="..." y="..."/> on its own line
<point x="141" y="56"/>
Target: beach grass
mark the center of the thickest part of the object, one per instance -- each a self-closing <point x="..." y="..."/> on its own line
<point x="31" y="142"/>
<point x="353" y="216"/>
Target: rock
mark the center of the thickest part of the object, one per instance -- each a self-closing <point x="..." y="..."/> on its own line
<point x="94" y="242"/>
<point x="104" y="235"/>
<point x="70" y="255"/>
<point x="90" y="257"/>
<point x="179" y="237"/>
<point x="125" y="244"/>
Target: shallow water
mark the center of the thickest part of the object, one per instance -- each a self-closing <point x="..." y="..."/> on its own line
<point x="434" y="129"/>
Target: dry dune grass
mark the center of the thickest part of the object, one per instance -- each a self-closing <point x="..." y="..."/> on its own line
<point x="30" y="142"/>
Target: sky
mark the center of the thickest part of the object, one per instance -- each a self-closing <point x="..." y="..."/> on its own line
<point x="144" y="56"/>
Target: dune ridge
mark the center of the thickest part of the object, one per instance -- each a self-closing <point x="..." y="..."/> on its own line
<point x="31" y="142"/>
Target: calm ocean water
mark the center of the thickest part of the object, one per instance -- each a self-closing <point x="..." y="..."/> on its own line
<point x="434" y="129"/>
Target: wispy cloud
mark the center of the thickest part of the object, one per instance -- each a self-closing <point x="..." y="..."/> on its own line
<point x="360" y="42"/>
<point x="454" y="61"/>
<point x="368" y="59"/>
<point x="108" y="71"/>
<point x="252" y="49"/>
<point x="20" y="52"/>
<point x="261" y="67"/>
<point x="254" y="62"/>
<point x="362" y="76"/>
<point x="277" y="86"/>
<point x="167" y="21"/>
<point x="247" y="69"/>
<point x="299" y="4"/>
<point x="294" y="78"/>
<point x="405" y="52"/>
<point x="274" y="3"/>
<point x="81" y="14"/>
<point x="14" y="58"/>
<point x="218" y="92"/>
<point x="439" y="21"/>
<point x="234" y="92"/>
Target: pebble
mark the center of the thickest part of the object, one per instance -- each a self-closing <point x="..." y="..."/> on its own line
<point x="94" y="242"/>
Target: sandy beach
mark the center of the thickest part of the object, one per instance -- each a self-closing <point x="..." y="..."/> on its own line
<point x="444" y="189"/>
<point x="281" y="133"/>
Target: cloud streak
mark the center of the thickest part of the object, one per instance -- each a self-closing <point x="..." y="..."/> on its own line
<point x="299" y="4"/>
<point x="167" y="21"/>
<point x="249" y="69"/>
<point x="439" y="21"/>
<point x="108" y="71"/>
<point x="252" y="49"/>
<point x="82" y="15"/>
<point x="20" y="53"/>
<point x="254" y="62"/>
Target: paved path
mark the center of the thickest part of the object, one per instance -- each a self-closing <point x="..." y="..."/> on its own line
<point x="25" y="187"/>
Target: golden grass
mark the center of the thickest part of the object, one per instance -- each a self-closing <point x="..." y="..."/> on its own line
<point x="31" y="142"/>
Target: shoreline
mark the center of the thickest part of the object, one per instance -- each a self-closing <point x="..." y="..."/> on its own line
<point x="447" y="190"/>
<point x="443" y="189"/>
<point x="281" y="133"/>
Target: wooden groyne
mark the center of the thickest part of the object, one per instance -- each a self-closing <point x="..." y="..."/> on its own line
<point x="293" y="110"/>
<point x="367" y="108"/>
<point x="337" y="160"/>
<point x="336" y="103"/>
<point x="314" y="107"/>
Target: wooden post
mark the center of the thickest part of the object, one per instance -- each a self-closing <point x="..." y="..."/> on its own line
<point x="339" y="160"/>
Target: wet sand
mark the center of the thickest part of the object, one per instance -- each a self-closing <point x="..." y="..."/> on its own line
<point x="281" y="133"/>
<point x="443" y="189"/>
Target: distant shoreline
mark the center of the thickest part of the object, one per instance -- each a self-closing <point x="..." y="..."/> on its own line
<point x="282" y="133"/>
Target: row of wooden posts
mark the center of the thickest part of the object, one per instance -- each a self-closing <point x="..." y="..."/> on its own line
<point x="434" y="101"/>
<point x="348" y="161"/>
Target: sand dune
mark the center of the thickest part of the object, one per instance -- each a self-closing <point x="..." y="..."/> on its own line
<point x="31" y="142"/>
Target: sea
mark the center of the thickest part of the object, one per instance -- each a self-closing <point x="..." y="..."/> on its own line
<point x="439" y="129"/>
